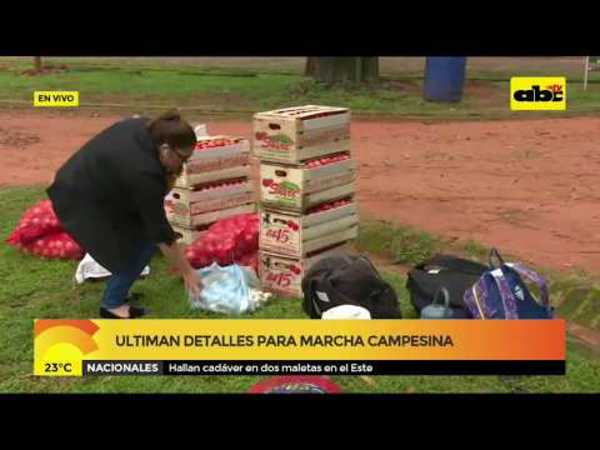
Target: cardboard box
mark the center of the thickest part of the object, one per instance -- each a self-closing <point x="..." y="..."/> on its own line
<point x="297" y="235"/>
<point x="296" y="134"/>
<point x="185" y="202"/>
<point x="216" y="148"/>
<point x="191" y="180"/>
<point x="189" y="235"/>
<point x="193" y="221"/>
<point x="223" y="161"/>
<point x="283" y="275"/>
<point x="300" y="187"/>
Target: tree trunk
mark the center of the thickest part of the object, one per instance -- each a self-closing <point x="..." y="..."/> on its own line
<point x="345" y="69"/>
<point x="370" y="68"/>
<point x="311" y="68"/>
<point x="37" y="62"/>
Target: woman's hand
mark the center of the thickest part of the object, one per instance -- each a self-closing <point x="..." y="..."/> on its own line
<point x="193" y="282"/>
<point x="180" y="265"/>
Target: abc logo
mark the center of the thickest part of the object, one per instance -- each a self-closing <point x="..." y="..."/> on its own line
<point x="534" y="94"/>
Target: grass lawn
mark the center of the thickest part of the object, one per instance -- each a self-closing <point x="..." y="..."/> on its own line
<point x="574" y="294"/>
<point x="243" y="90"/>
<point x="34" y="288"/>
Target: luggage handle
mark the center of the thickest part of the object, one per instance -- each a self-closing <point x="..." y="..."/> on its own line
<point x="442" y="293"/>
<point x="494" y="253"/>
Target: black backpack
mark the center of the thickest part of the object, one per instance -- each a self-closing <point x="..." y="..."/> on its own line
<point x="348" y="280"/>
<point x="454" y="274"/>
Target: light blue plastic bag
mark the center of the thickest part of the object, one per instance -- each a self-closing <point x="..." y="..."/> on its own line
<point x="227" y="289"/>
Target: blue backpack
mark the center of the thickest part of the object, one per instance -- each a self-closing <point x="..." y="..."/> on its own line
<point x="501" y="293"/>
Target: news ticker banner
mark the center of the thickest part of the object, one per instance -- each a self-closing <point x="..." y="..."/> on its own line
<point x="298" y="347"/>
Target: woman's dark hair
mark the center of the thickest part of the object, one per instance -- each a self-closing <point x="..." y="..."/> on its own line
<point x="171" y="129"/>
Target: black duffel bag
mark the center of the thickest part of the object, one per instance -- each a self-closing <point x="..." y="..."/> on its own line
<point x="454" y="274"/>
<point x="348" y="280"/>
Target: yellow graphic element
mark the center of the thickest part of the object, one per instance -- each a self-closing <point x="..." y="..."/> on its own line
<point x="61" y="360"/>
<point x="60" y="346"/>
<point x="56" y="98"/>
<point x="538" y="93"/>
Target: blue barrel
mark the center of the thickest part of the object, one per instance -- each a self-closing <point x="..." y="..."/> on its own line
<point x="444" y="79"/>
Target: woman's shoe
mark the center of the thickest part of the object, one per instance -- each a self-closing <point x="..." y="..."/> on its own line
<point x="134" y="313"/>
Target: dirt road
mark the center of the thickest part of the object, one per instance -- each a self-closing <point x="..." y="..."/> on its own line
<point x="527" y="187"/>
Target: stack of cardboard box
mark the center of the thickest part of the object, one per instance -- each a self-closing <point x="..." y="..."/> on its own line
<point x="307" y="205"/>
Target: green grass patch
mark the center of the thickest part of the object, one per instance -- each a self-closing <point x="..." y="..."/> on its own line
<point x="244" y="90"/>
<point x="35" y="288"/>
<point x="401" y="244"/>
<point x="475" y="250"/>
<point x="576" y="296"/>
<point x="132" y="85"/>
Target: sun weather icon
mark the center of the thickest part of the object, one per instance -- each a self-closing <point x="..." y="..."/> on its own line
<point x="60" y="345"/>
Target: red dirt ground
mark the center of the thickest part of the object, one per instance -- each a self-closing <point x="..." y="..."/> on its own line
<point x="527" y="187"/>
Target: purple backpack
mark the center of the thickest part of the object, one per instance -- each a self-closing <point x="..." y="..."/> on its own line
<point x="501" y="293"/>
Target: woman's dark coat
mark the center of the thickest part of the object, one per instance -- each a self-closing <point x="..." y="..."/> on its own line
<point x="109" y="196"/>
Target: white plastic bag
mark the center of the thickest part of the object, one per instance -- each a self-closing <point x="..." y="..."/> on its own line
<point x="231" y="290"/>
<point x="89" y="269"/>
